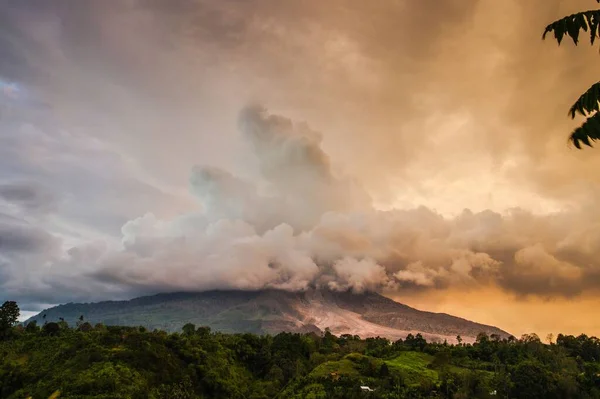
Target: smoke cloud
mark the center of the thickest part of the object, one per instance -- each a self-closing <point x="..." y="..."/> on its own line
<point x="300" y="225"/>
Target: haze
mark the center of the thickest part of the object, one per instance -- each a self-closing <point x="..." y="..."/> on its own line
<point x="416" y="148"/>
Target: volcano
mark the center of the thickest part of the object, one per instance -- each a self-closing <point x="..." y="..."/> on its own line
<point x="272" y="311"/>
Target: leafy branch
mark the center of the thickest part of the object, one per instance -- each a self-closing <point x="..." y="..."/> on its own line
<point x="588" y="103"/>
<point x="572" y="25"/>
<point x="588" y="131"/>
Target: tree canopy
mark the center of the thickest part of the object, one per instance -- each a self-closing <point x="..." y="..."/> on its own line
<point x="9" y="315"/>
<point x="587" y="104"/>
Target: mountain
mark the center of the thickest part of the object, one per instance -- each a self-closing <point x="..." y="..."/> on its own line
<point x="272" y="311"/>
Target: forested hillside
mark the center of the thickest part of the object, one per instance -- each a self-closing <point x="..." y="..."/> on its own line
<point x="100" y="361"/>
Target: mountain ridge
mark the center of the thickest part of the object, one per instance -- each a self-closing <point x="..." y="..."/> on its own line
<point x="272" y="311"/>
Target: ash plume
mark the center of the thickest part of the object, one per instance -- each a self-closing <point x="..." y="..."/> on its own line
<point x="301" y="225"/>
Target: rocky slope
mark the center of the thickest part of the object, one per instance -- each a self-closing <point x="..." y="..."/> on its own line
<point x="272" y="311"/>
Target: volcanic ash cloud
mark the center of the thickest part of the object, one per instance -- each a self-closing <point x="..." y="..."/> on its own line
<point x="301" y="225"/>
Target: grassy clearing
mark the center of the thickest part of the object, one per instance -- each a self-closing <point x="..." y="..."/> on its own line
<point x="341" y="367"/>
<point x="413" y="365"/>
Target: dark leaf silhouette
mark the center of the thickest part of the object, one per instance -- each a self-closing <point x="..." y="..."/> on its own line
<point x="586" y="133"/>
<point x="587" y="104"/>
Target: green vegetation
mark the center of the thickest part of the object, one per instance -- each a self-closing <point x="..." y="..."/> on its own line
<point x="348" y="367"/>
<point x="99" y="361"/>
<point x="9" y="314"/>
<point x="414" y="365"/>
<point x="587" y="104"/>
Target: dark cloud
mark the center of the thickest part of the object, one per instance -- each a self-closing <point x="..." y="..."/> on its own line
<point x="30" y="196"/>
<point x="19" y="236"/>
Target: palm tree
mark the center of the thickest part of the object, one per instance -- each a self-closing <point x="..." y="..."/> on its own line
<point x="587" y="103"/>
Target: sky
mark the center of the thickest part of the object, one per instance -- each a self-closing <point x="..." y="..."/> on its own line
<point x="414" y="148"/>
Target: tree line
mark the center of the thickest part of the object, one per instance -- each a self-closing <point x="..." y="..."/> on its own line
<point x="98" y="361"/>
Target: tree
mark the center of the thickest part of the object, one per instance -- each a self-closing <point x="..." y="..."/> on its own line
<point x="62" y="323"/>
<point x="85" y="327"/>
<point x="441" y="359"/>
<point x="587" y="103"/>
<point x="384" y="371"/>
<point x="189" y="329"/>
<point x="32" y="327"/>
<point x="203" y="331"/>
<point x="531" y="380"/>
<point x="9" y="315"/>
<point x="51" y="328"/>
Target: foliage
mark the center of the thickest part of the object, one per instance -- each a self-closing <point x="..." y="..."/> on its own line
<point x="129" y="362"/>
<point x="587" y="104"/>
<point x="9" y="314"/>
<point x="414" y="366"/>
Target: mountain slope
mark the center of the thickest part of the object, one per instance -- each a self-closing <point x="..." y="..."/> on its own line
<point x="272" y="311"/>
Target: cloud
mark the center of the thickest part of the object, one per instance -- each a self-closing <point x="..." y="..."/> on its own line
<point x="31" y="196"/>
<point x="248" y="237"/>
<point x="417" y="274"/>
<point x="358" y="276"/>
<point x="292" y="162"/>
<point x="416" y="109"/>
<point x="25" y="251"/>
<point x="19" y="237"/>
<point x="536" y="269"/>
<point x="432" y="115"/>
